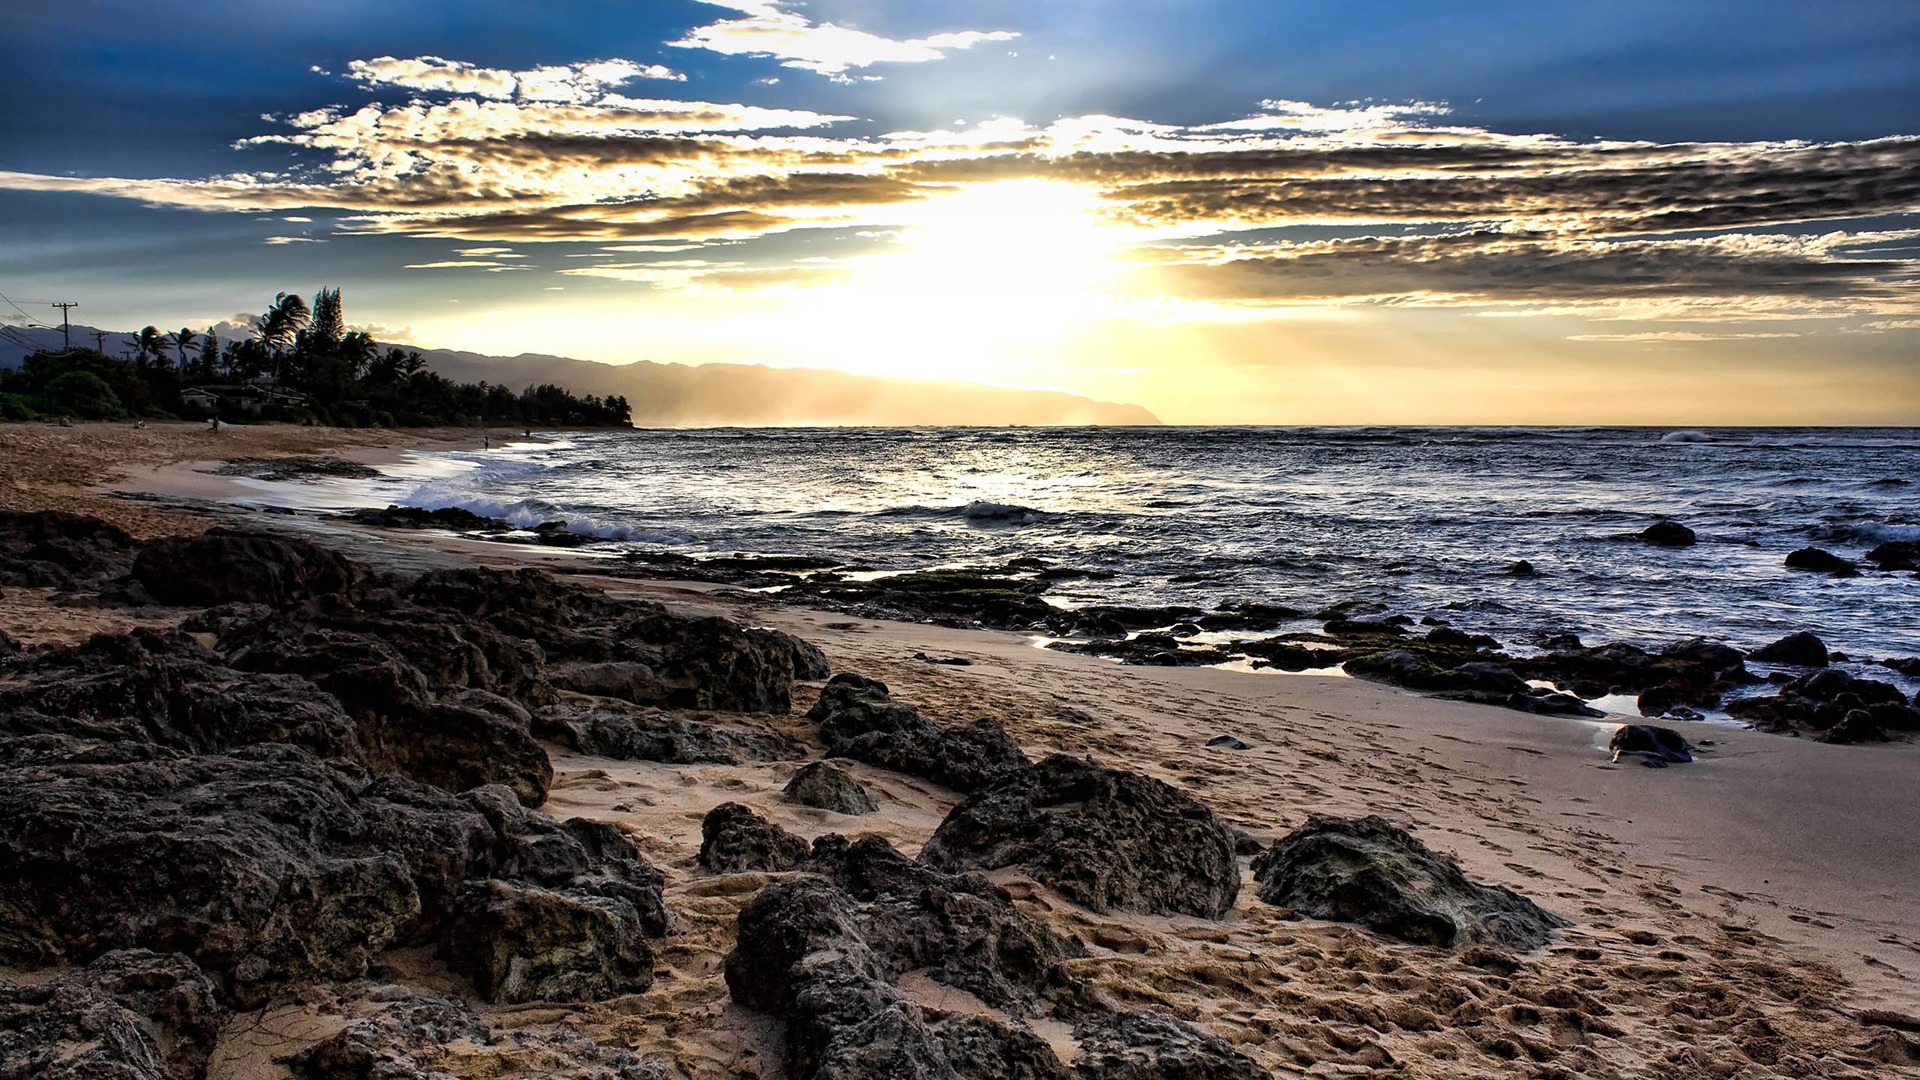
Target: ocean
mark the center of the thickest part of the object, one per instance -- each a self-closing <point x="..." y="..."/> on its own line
<point x="1421" y="520"/>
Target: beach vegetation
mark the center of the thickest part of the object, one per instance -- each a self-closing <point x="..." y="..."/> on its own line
<point x="302" y="365"/>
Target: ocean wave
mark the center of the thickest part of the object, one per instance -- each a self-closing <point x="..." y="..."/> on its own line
<point x="527" y="513"/>
<point x="1866" y="531"/>
<point x="1687" y="437"/>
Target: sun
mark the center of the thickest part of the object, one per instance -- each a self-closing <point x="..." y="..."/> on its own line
<point x="982" y="282"/>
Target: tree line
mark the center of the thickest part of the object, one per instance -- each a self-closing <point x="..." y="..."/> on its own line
<point x="299" y="364"/>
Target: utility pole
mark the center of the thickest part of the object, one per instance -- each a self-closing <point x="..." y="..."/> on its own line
<point x="66" y="338"/>
<point x="100" y="341"/>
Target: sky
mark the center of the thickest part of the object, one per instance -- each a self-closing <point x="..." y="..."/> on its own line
<point x="1678" y="212"/>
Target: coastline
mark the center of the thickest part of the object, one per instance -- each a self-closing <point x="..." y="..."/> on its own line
<point x="1770" y="858"/>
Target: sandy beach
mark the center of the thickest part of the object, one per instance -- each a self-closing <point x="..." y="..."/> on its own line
<point x="1755" y="913"/>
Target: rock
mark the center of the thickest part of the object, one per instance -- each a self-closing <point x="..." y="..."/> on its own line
<point x="55" y="549"/>
<point x="1152" y="1046"/>
<point x="949" y="661"/>
<point x="1813" y="558"/>
<point x="1104" y="838"/>
<point x="1367" y="871"/>
<point x="826" y="786"/>
<point x="414" y="517"/>
<point x="734" y="839"/>
<point x="1246" y="616"/>
<point x="226" y="566"/>
<point x="1896" y="555"/>
<point x="659" y="735"/>
<point x="10" y="646"/>
<point x="860" y="720"/>
<point x="1821" y="700"/>
<point x="1363" y="628"/>
<point x="222" y="618"/>
<point x="1520" y="568"/>
<point x="1857" y="726"/>
<point x="131" y="1015"/>
<point x="164" y="688"/>
<point x="413" y="1037"/>
<point x="1905" y="665"/>
<point x="1656" y="746"/>
<point x="822" y="953"/>
<point x="622" y="679"/>
<point x="1666" y="534"/>
<point x="1802" y="649"/>
<point x="1227" y="742"/>
<point x="255" y="864"/>
<point x="522" y="943"/>
<point x="1448" y="637"/>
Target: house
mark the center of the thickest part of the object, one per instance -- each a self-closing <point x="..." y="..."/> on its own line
<point x="250" y="397"/>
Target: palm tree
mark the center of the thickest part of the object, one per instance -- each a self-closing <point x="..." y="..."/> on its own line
<point x="413" y="365"/>
<point x="182" y="340"/>
<point x="284" y="317"/>
<point x="148" y="344"/>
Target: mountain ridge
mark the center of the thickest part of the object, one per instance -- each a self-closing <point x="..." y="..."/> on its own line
<point x="703" y="395"/>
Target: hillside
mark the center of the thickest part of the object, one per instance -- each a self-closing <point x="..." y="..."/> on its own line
<point x="669" y="395"/>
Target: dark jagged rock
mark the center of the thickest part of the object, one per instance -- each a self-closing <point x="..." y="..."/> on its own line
<point x="269" y="868"/>
<point x="1857" y="726"/>
<point x="1249" y="616"/>
<point x="55" y="549"/>
<point x="1481" y="681"/>
<point x="1694" y="672"/>
<point x="522" y="943"/>
<point x="255" y="864"/>
<point x="165" y="688"/>
<point x="410" y="1039"/>
<point x="10" y="646"/>
<point x="1520" y="568"/>
<point x="1802" y="649"/>
<point x="1666" y="534"/>
<point x="1146" y="650"/>
<point x="280" y="469"/>
<point x="1127" y="618"/>
<point x="1289" y="656"/>
<point x="624" y="680"/>
<point x="1896" y="555"/>
<point x="659" y="735"/>
<point x="567" y="912"/>
<point x="413" y="517"/>
<point x="1347" y="609"/>
<point x="1227" y="742"/>
<point x="1105" y="838"/>
<point x="1448" y="638"/>
<point x="1821" y="700"/>
<point x="1819" y="559"/>
<point x="859" y="720"/>
<point x="734" y="839"/>
<point x="1905" y="665"/>
<point x="1363" y="628"/>
<point x="1655" y="746"/>
<point x="997" y="599"/>
<point x="1367" y="871"/>
<point x="823" y="953"/>
<point x="132" y="1015"/>
<point x="826" y="786"/>
<point x="225" y="566"/>
<point x="1152" y="1046"/>
<point x="222" y="618"/>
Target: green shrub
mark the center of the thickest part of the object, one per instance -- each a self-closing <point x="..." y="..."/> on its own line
<point x="85" y="395"/>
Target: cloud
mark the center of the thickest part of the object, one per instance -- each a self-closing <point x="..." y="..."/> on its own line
<point x="767" y="30"/>
<point x="567" y="83"/>
<point x="1231" y="215"/>
<point x="1663" y="337"/>
<point x="465" y="264"/>
<point x="1735" y="276"/>
<point x="292" y="240"/>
